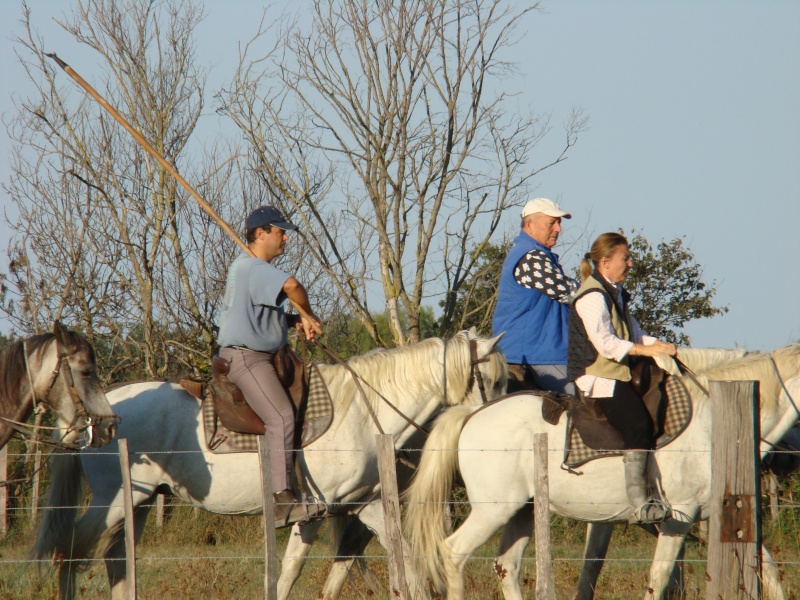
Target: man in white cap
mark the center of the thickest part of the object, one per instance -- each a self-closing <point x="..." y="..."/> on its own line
<point x="253" y="326"/>
<point x="533" y="303"/>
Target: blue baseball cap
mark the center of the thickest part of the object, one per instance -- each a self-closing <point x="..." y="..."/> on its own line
<point x="267" y="215"/>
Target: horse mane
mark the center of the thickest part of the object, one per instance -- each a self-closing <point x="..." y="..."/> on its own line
<point x="385" y="372"/>
<point x="757" y="366"/>
<point x="398" y="371"/>
<point x="700" y="359"/>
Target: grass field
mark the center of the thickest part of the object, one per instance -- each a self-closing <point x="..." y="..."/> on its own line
<point x="202" y="556"/>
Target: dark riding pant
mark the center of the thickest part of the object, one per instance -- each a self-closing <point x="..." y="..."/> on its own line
<point x="626" y="411"/>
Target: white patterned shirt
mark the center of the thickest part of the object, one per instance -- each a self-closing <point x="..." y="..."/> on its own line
<point x="536" y="271"/>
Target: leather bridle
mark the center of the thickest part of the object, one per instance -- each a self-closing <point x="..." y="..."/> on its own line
<point x="62" y="368"/>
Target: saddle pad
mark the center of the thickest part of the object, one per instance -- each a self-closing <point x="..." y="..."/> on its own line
<point x="679" y="413"/>
<point x="316" y="419"/>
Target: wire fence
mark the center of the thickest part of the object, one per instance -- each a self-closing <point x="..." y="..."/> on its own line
<point x="781" y="502"/>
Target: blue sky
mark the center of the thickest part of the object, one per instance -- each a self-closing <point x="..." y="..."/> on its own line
<point x="694" y="131"/>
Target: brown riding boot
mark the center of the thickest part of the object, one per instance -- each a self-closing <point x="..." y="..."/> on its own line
<point x="289" y="510"/>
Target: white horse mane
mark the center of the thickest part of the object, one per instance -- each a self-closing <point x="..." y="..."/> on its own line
<point x="398" y="372"/>
<point x="699" y="359"/>
<point x="754" y="366"/>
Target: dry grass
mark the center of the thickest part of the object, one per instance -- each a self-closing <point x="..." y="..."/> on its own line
<point x="202" y="556"/>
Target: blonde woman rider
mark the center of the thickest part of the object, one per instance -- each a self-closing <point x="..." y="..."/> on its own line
<point x="602" y="337"/>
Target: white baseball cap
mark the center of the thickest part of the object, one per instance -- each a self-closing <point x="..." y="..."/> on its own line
<point x="543" y="205"/>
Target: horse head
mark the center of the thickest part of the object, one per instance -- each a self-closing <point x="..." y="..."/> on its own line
<point x="482" y="362"/>
<point x="75" y="392"/>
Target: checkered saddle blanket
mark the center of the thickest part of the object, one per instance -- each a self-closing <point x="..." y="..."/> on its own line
<point x="677" y="415"/>
<point x="314" y="416"/>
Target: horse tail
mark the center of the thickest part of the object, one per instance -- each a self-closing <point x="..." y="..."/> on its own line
<point x="64" y="496"/>
<point x="426" y="517"/>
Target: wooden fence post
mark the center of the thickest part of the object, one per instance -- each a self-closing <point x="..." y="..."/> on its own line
<point x="270" y="544"/>
<point x="390" y="500"/>
<point x="37" y="467"/>
<point x="545" y="580"/>
<point x="4" y="492"/>
<point x="130" y="536"/>
<point x="734" y="535"/>
<point x="159" y="510"/>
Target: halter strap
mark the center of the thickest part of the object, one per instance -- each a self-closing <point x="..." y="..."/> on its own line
<point x="474" y="372"/>
<point x="783" y="385"/>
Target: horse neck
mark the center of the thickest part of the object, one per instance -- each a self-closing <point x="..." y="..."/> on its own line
<point x="16" y="400"/>
<point x="42" y="366"/>
<point x="776" y="423"/>
<point x="417" y="397"/>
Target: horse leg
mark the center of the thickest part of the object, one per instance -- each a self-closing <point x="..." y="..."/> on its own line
<point x="301" y="538"/>
<point x="115" y="556"/>
<point x="676" y="585"/>
<point x="670" y="543"/>
<point x="353" y="538"/>
<point x="92" y="533"/>
<point x="508" y="564"/>
<point x="475" y="531"/>
<point x="598" y="537"/>
<point x="372" y="516"/>
<point x="771" y="576"/>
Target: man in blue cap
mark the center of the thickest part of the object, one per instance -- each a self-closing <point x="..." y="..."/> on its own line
<point x="533" y="303"/>
<point x="253" y="326"/>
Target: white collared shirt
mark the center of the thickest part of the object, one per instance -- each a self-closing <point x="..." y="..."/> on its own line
<point x="596" y="318"/>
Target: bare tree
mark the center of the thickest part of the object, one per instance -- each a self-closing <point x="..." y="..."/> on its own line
<point x="105" y="237"/>
<point x="384" y="128"/>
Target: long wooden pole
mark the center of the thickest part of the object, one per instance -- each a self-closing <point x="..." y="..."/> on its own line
<point x="172" y="170"/>
<point x="734" y="535"/>
<point x="390" y="499"/>
<point x="153" y="152"/>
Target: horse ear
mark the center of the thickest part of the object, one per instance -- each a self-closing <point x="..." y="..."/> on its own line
<point x="496" y="340"/>
<point x="472" y="333"/>
<point x="488" y="345"/>
<point x="61" y="333"/>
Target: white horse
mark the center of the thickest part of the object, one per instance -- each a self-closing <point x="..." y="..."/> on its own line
<point x="494" y="453"/>
<point x="163" y="426"/>
<point x="351" y="542"/>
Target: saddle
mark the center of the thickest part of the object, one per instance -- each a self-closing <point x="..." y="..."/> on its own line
<point x="232" y="426"/>
<point x="229" y="403"/>
<point x="590" y="435"/>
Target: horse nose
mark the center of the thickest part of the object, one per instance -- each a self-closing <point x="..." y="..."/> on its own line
<point x="104" y="431"/>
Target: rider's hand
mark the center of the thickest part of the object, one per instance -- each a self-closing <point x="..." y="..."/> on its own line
<point x="309" y="325"/>
<point x="656" y="349"/>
